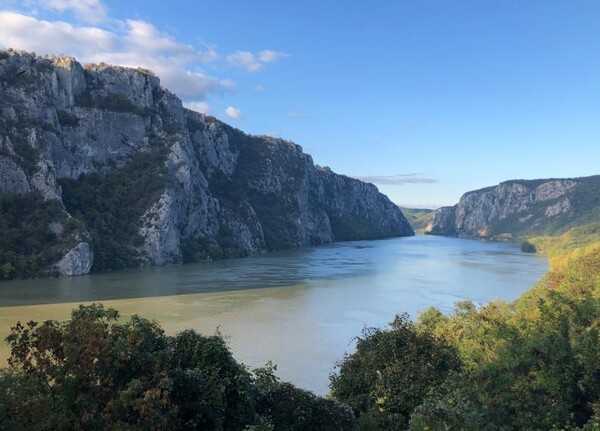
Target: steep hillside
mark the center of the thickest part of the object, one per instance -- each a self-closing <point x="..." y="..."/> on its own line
<point x="120" y="175"/>
<point x="419" y="218"/>
<point x="521" y="208"/>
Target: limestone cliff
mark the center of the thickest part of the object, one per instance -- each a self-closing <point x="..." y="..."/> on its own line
<point x="520" y="207"/>
<point x="141" y="180"/>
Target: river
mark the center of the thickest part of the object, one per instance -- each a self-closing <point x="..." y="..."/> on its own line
<point x="301" y="308"/>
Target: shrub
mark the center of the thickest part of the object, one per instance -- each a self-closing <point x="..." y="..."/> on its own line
<point x="111" y="206"/>
<point x="288" y="408"/>
<point x="67" y="118"/>
<point x="391" y="372"/>
<point x="27" y="245"/>
<point x="530" y="365"/>
<point x="95" y="372"/>
<point x="527" y="247"/>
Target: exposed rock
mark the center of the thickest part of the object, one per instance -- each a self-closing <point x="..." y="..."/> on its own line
<point x="12" y="177"/>
<point x="560" y="207"/>
<point x="443" y="222"/>
<point x="77" y="261"/>
<point x="224" y="193"/>
<point x="517" y="208"/>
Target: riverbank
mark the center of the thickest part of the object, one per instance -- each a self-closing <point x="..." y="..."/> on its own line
<point x="314" y="304"/>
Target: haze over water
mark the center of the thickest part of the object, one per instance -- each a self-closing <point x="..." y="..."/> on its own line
<point x="300" y="309"/>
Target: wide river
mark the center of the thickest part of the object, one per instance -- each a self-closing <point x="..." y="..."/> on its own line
<point x="301" y="309"/>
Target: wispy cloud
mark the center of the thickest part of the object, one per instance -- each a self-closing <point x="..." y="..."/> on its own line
<point x="87" y="10"/>
<point x="254" y="62"/>
<point x="233" y="112"/>
<point x="92" y="36"/>
<point x="399" y="179"/>
<point x="200" y="106"/>
<point x="135" y="44"/>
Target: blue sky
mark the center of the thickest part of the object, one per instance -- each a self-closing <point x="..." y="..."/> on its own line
<point x="428" y="98"/>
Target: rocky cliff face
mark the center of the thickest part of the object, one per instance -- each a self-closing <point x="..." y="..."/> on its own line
<point x="141" y="180"/>
<point x="516" y="208"/>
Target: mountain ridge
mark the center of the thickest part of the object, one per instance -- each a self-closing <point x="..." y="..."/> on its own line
<point x="137" y="179"/>
<point x="517" y="208"/>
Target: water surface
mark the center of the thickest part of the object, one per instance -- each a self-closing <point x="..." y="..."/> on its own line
<point x="300" y="308"/>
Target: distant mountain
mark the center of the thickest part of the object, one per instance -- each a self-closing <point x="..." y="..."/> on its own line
<point x="419" y="218"/>
<point x="520" y="208"/>
<point x="102" y="168"/>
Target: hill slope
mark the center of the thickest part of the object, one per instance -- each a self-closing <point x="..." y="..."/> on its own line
<point x="419" y="218"/>
<point x="520" y="208"/>
<point x="120" y="174"/>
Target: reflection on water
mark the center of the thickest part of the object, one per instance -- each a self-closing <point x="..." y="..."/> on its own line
<point x="301" y="308"/>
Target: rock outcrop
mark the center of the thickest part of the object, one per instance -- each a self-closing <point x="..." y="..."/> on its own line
<point x="521" y="207"/>
<point x="218" y="192"/>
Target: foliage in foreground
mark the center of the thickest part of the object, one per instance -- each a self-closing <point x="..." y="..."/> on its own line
<point x="94" y="373"/>
<point x="390" y="373"/>
<point x="531" y="365"/>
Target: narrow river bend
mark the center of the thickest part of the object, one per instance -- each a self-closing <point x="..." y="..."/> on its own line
<point x="300" y="309"/>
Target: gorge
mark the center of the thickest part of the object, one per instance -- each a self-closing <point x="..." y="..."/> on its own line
<point x="101" y="168"/>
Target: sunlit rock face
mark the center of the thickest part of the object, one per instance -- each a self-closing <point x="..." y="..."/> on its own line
<point x="224" y="193"/>
<point x="516" y="208"/>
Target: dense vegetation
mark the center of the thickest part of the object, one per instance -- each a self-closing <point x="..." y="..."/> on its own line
<point x="34" y="234"/>
<point x="531" y="365"/>
<point x="95" y="373"/>
<point x="528" y="247"/>
<point x="391" y="373"/>
<point x="578" y="238"/>
<point x="111" y="206"/>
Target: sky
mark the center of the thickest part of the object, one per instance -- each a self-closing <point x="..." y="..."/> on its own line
<point x="427" y="99"/>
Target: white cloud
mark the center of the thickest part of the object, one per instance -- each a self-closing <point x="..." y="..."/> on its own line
<point x="131" y="43"/>
<point x="245" y="59"/>
<point x="135" y="44"/>
<point x="233" y="112"/>
<point x="86" y="10"/>
<point x="198" y="106"/>
<point x="254" y="62"/>
<point x="269" y="56"/>
<point x="398" y="180"/>
<point x="28" y="33"/>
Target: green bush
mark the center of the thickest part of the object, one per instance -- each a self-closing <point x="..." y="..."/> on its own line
<point x="391" y="373"/>
<point x="95" y="373"/>
<point x="537" y="373"/>
<point x="27" y="244"/>
<point x="531" y="365"/>
<point x="287" y="408"/>
<point x="527" y="247"/>
<point x="111" y="206"/>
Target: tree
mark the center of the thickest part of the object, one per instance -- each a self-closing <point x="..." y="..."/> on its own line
<point x="97" y="372"/>
<point x="391" y="373"/>
<point x="288" y="408"/>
